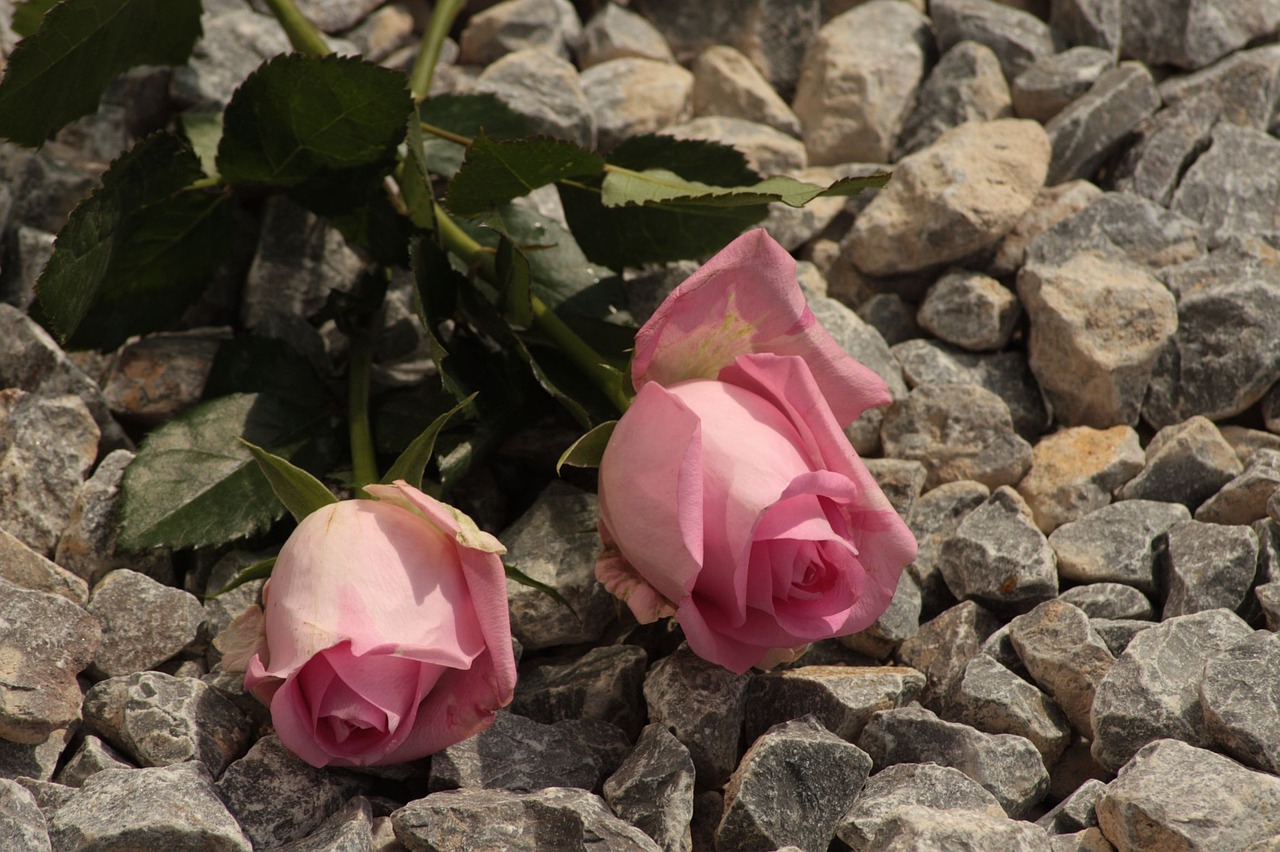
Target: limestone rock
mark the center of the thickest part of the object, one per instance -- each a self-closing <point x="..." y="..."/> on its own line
<point x="841" y="698"/>
<point x="1091" y="127"/>
<point x="1185" y="463"/>
<point x="966" y="85"/>
<point x="726" y="83"/>
<point x="517" y="25"/>
<point x="1050" y="84"/>
<point x="631" y="96"/>
<point x="1207" y="566"/>
<point x="1191" y="33"/>
<point x="1075" y="470"/>
<point x="616" y="32"/>
<point x="653" y="789"/>
<point x="1116" y="544"/>
<point x="1018" y="38"/>
<point x="970" y="310"/>
<point x="544" y="88"/>
<point x="1065" y="656"/>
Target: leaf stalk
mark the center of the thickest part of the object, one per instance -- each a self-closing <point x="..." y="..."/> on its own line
<point x="303" y="35"/>
<point x="424" y="67"/>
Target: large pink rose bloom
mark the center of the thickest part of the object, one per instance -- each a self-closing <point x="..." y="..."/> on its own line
<point x="387" y="632"/>
<point x="729" y="494"/>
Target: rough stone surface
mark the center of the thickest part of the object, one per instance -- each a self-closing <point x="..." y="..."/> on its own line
<point x="546" y="90"/>
<point x="92" y="757"/>
<point x="516" y="25"/>
<point x="897" y="623"/>
<point x="1052" y="205"/>
<point x="1064" y="654"/>
<point x="1191" y="33"/>
<point x="726" y="83"/>
<point x="1075" y="470"/>
<point x="616" y="32"/>
<point x="37" y="761"/>
<point x="917" y="829"/>
<point x="994" y="700"/>
<point x="904" y="785"/>
<point x="1016" y="37"/>
<point x="768" y="151"/>
<point x="1053" y="82"/>
<point x="1116" y="544"/>
<point x="1109" y="600"/>
<point x="1185" y="463"/>
<point x="1165" y="145"/>
<point x="841" y="698"/>
<point x="1207" y="566"/>
<point x="143" y="622"/>
<point x="791" y="789"/>
<point x="943" y="648"/>
<point x="604" y="683"/>
<point x="1153" y="690"/>
<point x="1090" y="128"/>
<point x="653" y="789"/>
<point x="351" y="828"/>
<point x="1244" y="499"/>
<point x="970" y="310"/>
<point x="1075" y="812"/>
<point x="1232" y="188"/>
<point x="1240" y="697"/>
<point x="22" y="825"/>
<point x="933" y="519"/>
<point x="23" y="567"/>
<point x="632" y="96"/>
<point x="929" y="215"/>
<point x="235" y="41"/>
<point x="967" y="84"/>
<point x="1242" y="87"/>
<point x="516" y="753"/>
<point x="1124" y="224"/>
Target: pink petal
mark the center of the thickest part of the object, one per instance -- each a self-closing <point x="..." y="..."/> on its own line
<point x="746" y="299"/>
<point x="462" y="704"/>
<point x="625" y="583"/>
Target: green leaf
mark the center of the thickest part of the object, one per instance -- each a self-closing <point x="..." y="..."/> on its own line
<point x="515" y="575"/>
<point x="300" y="492"/>
<point x="413" y="461"/>
<point x="514" y="282"/>
<point x="260" y="570"/>
<point x="415" y="179"/>
<point x="28" y="15"/>
<point x="589" y="449"/>
<point x="467" y="115"/>
<point x="494" y="172"/>
<point x="624" y="187"/>
<point x="297" y="119"/>
<point x="438" y="284"/>
<point x="138" y="251"/>
<point x="59" y="72"/>
<point x="194" y="484"/>
<point x="203" y="129"/>
<point x="289" y="375"/>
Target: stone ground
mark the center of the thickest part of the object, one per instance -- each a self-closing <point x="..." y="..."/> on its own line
<point x="1072" y="287"/>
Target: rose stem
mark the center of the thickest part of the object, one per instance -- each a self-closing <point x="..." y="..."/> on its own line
<point x="303" y="34"/>
<point x="364" y="466"/>
<point x="442" y="17"/>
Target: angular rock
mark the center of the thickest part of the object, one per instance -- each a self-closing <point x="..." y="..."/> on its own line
<point x="958" y="431"/>
<point x="156" y="378"/>
<point x="1090" y="129"/>
<point x="841" y="123"/>
<point x="37" y="761"/>
<point x="920" y="221"/>
<point x="653" y="789"/>
<point x="1160" y="801"/>
<point x="1153" y="690"/>
<point x="605" y="683"/>
<point x="143" y="622"/>
<point x="1075" y="812"/>
<point x="1185" y="463"/>
<point x="1242" y="88"/>
<point x="93" y="756"/>
<point x="616" y="32"/>
<point x="1120" y="223"/>
<point x="901" y="481"/>
<point x="1240" y="697"/>
<point x="23" y="567"/>
<point x="517" y="25"/>
<point x="967" y="84"/>
<point x="1061" y="651"/>
<point x="555" y="818"/>
<point x="27" y="250"/>
<point x="944" y="646"/>
<point x="1016" y="37"/>
<point x="555" y="542"/>
<point x="1007" y="766"/>
<point x="1075" y="470"/>
<point x="235" y="41"/>
<point x="516" y="753"/>
<point x="933" y="519"/>
<point x="545" y="89"/>
<point x="897" y="623"/>
<point x="703" y="705"/>
<point x="768" y="151"/>
<point x="1109" y="600"/>
<point x="726" y="83"/>
<point x="791" y="788"/>
<point x="1097" y="326"/>
<point x="1165" y="145"/>
<point x="892" y="316"/>
<point x="22" y="825"/>
<point x="1192" y="33"/>
<point x="1116" y="544"/>
<point x="1050" y="84"/>
<point x="969" y="310"/>
<point x="632" y="96"/>
<point x="1207" y="566"/>
<point x="841" y="698"/>
<point x="994" y="700"/>
<point x="351" y="828"/>
<point x="170" y="807"/>
<point x="1052" y="205"/>
<point x="1232" y="188"/>
<point x="1117" y="633"/>
<point x="999" y="557"/>
<point x="905" y="785"/>
<point x="915" y="829"/>
<point x="1246" y="441"/>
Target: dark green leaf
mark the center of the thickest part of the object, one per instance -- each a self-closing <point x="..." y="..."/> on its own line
<point x="28" y="15"/>
<point x="297" y="119"/>
<point x="514" y="282"/>
<point x="624" y="187"/>
<point x="193" y="483"/>
<point x="300" y="492"/>
<point x="415" y="179"/>
<point x="495" y="172"/>
<point x="515" y="575"/>
<point x="691" y="159"/>
<point x="138" y="251"/>
<point x="267" y="365"/>
<point x="467" y="115"/>
<point x="257" y="571"/>
<point x="413" y="461"/>
<point x="589" y="449"/>
<point x="438" y="284"/>
<point x="59" y="72"/>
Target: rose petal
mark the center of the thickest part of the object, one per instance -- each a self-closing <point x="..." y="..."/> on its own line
<point x="624" y="582"/>
<point x="746" y="299"/>
<point x="462" y="704"/>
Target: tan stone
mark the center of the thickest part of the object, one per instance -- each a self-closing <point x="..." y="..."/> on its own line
<point x="1074" y="471"/>
<point x="726" y="83"/>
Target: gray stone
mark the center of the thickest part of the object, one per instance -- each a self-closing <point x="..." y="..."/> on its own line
<point x="545" y="89"/>
<point x="892" y="316"/>
<point x="918" y="221"/>
<point x="703" y="705"/>
<point x="967" y="84"/>
<point x="653" y="789"/>
<point x="1007" y="766"/>
<point x="333" y="16"/>
<point x="1005" y="374"/>
<point x="1087" y="22"/>
<point x="26" y="252"/>
<point x="45" y="185"/>
<point x="1186" y="463"/>
<point x="934" y="517"/>
<point x="1153" y="690"/>
<point x="1246" y="441"/>
<point x="726" y="83"/>
<point x="1086" y="132"/>
<point x="1192" y="33"/>
<point x="768" y="151"/>
<point x="45" y="641"/>
<point x="516" y="753"/>
<point x="223" y="607"/>
<point x="1268" y="598"/>
<point x="1052" y="83"/>
<point x="969" y="310"/>
<point x="1117" y="633"/>
<point x="1016" y="37"/>
<point x="555" y="818"/>
<point x="22" y="825"/>
<point x="841" y="122"/>
<point x="917" y="829"/>
<point x="1109" y="600"/>
<point x="959" y="431"/>
<point x="1244" y="88"/>
<point x="616" y="32"/>
<point x="170" y="807"/>
<point x="1232" y="188"/>
<point x="632" y="96"/>
<point x="389" y="31"/>
<point x="1207" y="566"/>
<point x="234" y="42"/>
<point x="277" y="798"/>
<point x="37" y="761"/>
<point x="348" y="830"/>
<point x="1161" y="801"/>
<point x="555" y="542"/>
<point x="605" y="683"/>
<point x="899" y="622"/>
<point x="1165" y="145"/>
<point x="1061" y="651"/>
<point x="519" y="25"/>
<point x="143" y="622"/>
<point x="904" y="785"/>
<point x="1052" y="205"/>
<point x="157" y="377"/>
<point x="159" y="720"/>
<point x="792" y="787"/>
<point x="1120" y="223"/>
<point x="796" y="227"/>
<point x="994" y="700"/>
<point x="944" y="646"/>
<point x="23" y="567"/>
<point x="841" y="698"/>
<point x="999" y="557"/>
<point x="1244" y="499"/>
<point x="1240" y="697"/>
<point x="1116" y="544"/>
<point x="1075" y="470"/>
<point x="93" y="756"/>
<point x="1075" y="812"/>
<point x="901" y="481"/>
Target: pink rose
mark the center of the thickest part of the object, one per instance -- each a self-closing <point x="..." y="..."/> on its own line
<point x="387" y="632"/>
<point x="729" y="494"/>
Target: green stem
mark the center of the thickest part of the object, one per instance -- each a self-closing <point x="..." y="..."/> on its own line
<point x="424" y="68"/>
<point x="588" y="360"/>
<point x="303" y="34"/>
<point x="364" y="465"/>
